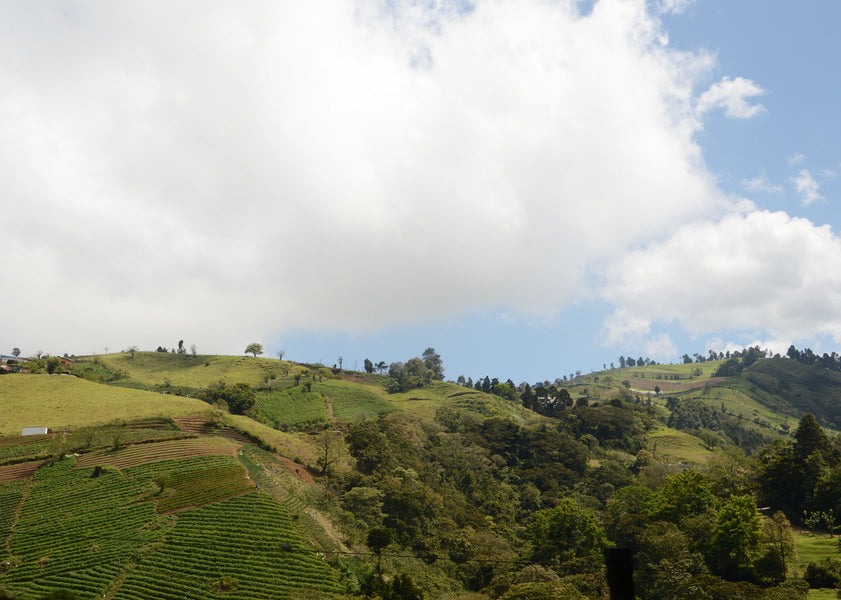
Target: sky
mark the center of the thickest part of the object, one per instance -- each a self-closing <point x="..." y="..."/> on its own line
<point x="531" y="187"/>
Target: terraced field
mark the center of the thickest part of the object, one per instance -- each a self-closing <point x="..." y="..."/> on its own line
<point x="249" y="540"/>
<point x="139" y="454"/>
<point x="76" y="532"/>
<point x="98" y="532"/>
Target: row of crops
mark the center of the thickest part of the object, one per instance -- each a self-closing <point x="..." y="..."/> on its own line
<point x="76" y="531"/>
<point x="352" y="402"/>
<point x="134" y="455"/>
<point x="96" y="531"/>
<point x="11" y="495"/>
<point x="248" y="541"/>
<point x="292" y="406"/>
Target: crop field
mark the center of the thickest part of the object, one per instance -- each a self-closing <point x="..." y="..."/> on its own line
<point x="16" y="446"/>
<point x="97" y="532"/>
<point x="70" y="402"/>
<point x="75" y="531"/>
<point x="249" y="540"/>
<point x="21" y="470"/>
<point x="139" y="454"/>
<point x="353" y="402"/>
<point x="292" y="406"/>
<point x="11" y="495"/>
<point x="197" y="488"/>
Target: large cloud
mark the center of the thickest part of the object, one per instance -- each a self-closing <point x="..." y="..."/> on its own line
<point x="764" y="274"/>
<point x="219" y="171"/>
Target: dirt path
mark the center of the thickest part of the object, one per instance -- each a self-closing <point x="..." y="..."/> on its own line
<point x="328" y="408"/>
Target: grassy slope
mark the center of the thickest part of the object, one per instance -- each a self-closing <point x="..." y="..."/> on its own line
<point x="154" y="368"/>
<point x="62" y="402"/>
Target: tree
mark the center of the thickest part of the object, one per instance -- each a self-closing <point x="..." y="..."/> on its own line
<point x="181" y="348"/>
<point x="15" y="351"/>
<point x="329" y="445"/>
<point x="238" y="397"/>
<point x="193" y="349"/>
<point x="281" y="354"/>
<point x="53" y="363"/>
<point x="433" y="362"/>
<point x="341" y="360"/>
<point x="254" y="349"/>
<point x="810" y="438"/>
<point x="736" y="538"/>
<point x="563" y="534"/>
<point x="378" y="538"/>
<point x="369" y="366"/>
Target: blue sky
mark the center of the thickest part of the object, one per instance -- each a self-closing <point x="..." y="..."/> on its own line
<point x="530" y="187"/>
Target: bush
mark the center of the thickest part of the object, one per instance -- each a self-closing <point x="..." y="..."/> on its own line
<point x="826" y="574"/>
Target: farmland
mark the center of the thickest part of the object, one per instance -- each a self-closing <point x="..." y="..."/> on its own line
<point x="102" y="531"/>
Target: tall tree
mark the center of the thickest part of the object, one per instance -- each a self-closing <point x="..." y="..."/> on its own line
<point x="433" y="362"/>
<point x="736" y="538"/>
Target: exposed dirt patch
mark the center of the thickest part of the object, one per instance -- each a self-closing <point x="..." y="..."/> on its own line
<point x="21" y="470"/>
<point x="299" y="470"/>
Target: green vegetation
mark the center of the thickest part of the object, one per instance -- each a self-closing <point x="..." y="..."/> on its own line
<point x="68" y="402"/>
<point x="331" y="483"/>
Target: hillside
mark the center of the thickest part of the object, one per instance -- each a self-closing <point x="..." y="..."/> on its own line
<point x="144" y="493"/>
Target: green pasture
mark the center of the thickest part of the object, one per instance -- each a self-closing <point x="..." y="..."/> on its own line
<point x="60" y="401"/>
<point x="652" y="371"/>
<point x="670" y="445"/>
<point x="186" y="370"/>
<point x="738" y="402"/>
<point x="813" y="547"/>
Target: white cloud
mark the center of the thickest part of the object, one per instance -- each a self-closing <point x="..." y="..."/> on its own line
<point x="807" y="187"/>
<point x="796" y="159"/>
<point x="760" y="183"/>
<point x="731" y="95"/>
<point x="675" y="6"/>
<point x="223" y="172"/>
<point x="761" y="272"/>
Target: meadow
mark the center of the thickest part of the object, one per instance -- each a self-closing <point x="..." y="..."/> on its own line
<point x="62" y="402"/>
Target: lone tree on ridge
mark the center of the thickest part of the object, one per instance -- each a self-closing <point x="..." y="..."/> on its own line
<point x="254" y="349"/>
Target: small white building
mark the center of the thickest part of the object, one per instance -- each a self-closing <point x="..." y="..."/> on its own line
<point x="35" y="431"/>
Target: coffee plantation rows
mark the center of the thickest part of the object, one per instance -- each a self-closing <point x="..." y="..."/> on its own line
<point x="77" y="529"/>
<point x="352" y="402"/>
<point x="197" y="488"/>
<point x="248" y="540"/>
<point x="292" y="406"/>
<point x="12" y="447"/>
<point x="11" y="495"/>
<point x="134" y="455"/>
<point x="96" y="530"/>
